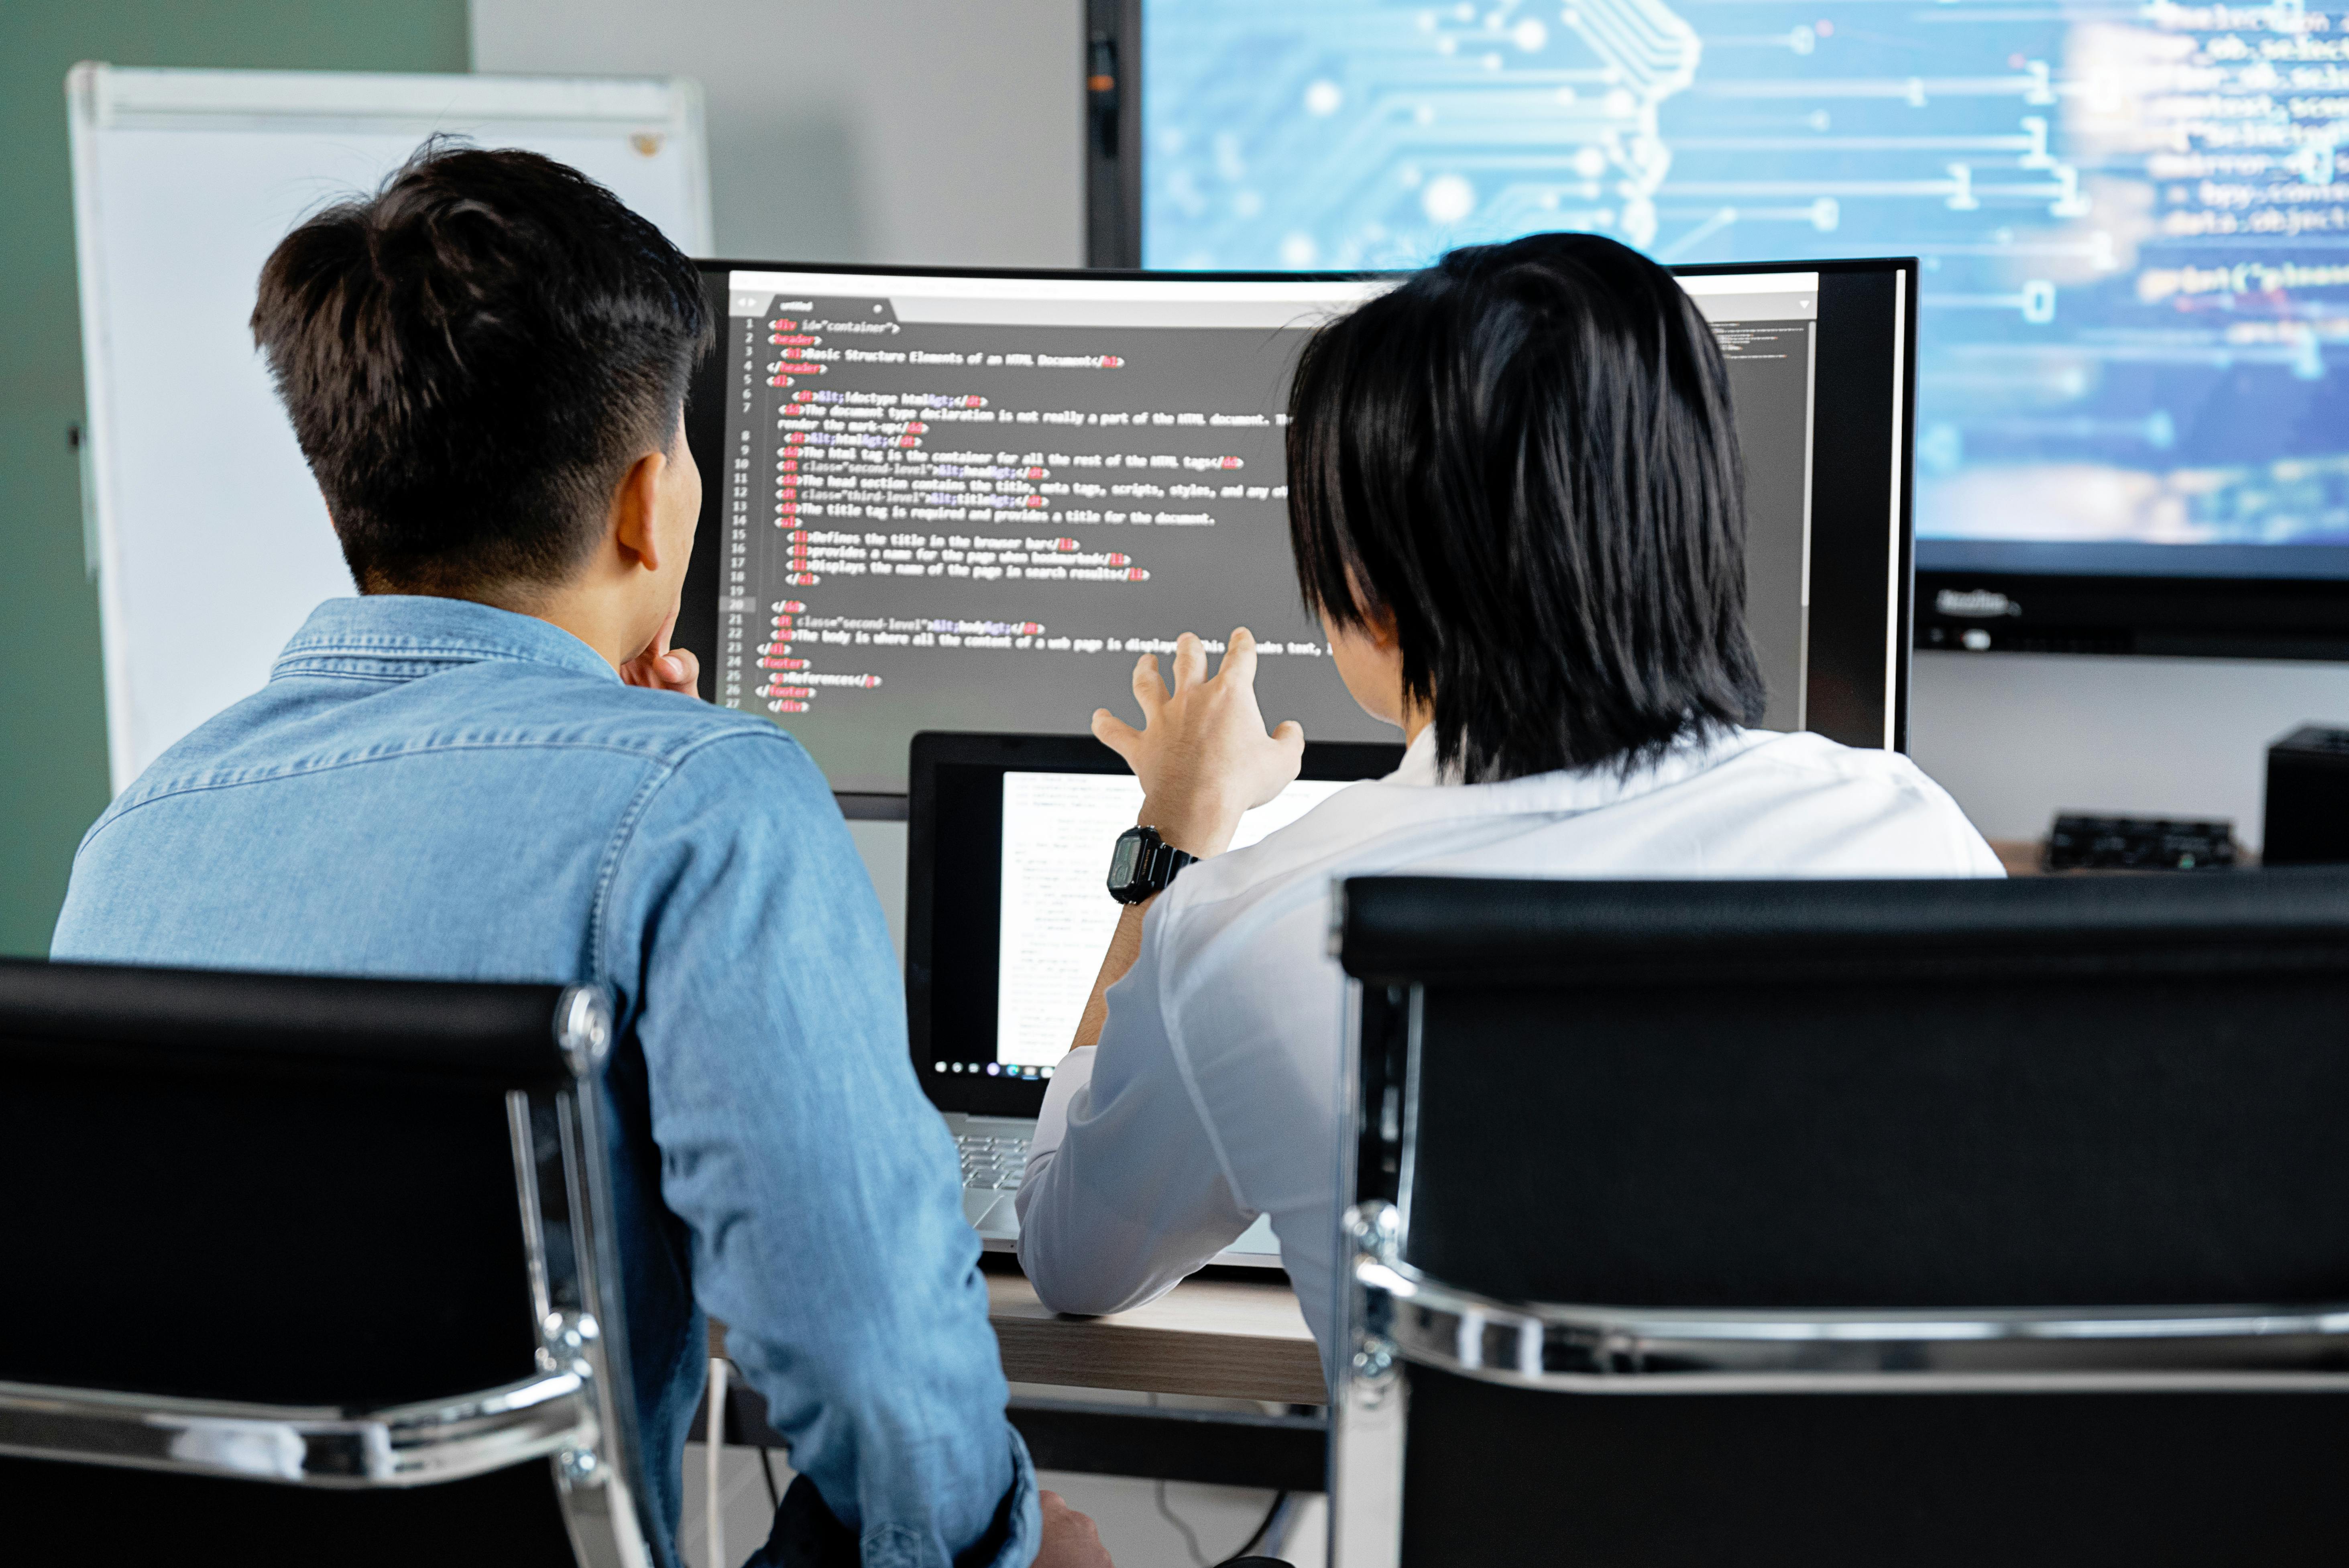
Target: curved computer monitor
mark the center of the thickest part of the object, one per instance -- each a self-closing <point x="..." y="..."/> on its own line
<point x="966" y="500"/>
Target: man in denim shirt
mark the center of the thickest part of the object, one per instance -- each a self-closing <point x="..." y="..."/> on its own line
<point x="491" y="765"/>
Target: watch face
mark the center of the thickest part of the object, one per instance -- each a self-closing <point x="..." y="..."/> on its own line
<point x="1121" y="862"/>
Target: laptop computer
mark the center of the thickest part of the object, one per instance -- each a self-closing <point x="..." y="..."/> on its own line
<point x="1008" y="916"/>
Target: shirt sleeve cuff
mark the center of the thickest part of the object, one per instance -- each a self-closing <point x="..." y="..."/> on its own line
<point x="1019" y="1533"/>
<point x="1073" y="1074"/>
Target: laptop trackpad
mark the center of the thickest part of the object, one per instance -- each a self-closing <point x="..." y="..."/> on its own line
<point x="990" y="1212"/>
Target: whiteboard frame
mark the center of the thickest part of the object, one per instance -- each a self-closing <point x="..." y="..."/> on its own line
<point x="100" y="97"/>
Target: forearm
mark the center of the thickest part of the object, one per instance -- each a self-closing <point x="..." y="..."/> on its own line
<point x="1124" y="947"/>
<point x="1124" y="1194"/>
<point x="1200" y="829"/>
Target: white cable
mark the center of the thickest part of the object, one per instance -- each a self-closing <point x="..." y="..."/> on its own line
<point x="716" y="1442"/>
<point x="1190" y="1536"/>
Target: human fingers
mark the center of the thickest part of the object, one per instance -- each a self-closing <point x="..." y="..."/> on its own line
<point x="652" y="666"/>
<point x="679" y="670"/>
<point x="1071" y="1540"/>
<point x="1281" y="762"/>
<point x="1190" y="661"/>
<point x="1116" y="734"/>
<point x="1147" y="691"/>
<point x="1239" y="658"/>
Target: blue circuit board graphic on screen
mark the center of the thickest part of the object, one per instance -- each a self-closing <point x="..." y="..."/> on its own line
<point x="2135" y="288"/>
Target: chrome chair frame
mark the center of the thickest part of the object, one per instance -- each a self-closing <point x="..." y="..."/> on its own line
<point x="567" y="1414"/>
<point x="1396" y="1318"/>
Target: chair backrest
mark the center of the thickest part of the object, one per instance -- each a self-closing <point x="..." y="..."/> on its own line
<point x="1844" y="1171"/>
<point x="344" y="1235"/>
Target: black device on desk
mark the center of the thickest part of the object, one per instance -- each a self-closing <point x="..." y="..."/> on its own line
<point x="1009" y="915"/>
<point x="2307" y="817"/>
<point x="2081" y="843"/>
<point x="941" y="498"/>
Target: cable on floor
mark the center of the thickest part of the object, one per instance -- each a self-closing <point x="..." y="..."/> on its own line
<point x="1190" y="1536"/>
<point x="1272" y="1517"/>
<point x="1256" y="1537"/>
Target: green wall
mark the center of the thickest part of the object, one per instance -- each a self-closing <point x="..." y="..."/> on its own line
<point x="53" y="777"/>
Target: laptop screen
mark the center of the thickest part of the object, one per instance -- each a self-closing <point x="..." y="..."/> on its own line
<point x="1055" y="915"/>
<point x="1008" y="908"/>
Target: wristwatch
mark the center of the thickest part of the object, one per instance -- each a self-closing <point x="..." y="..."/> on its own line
<point x="1143" y="865"/>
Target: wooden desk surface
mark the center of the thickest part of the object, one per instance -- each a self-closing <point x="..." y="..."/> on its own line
<point x="1235" y="1339"/>
<point x="2020" y="856"/>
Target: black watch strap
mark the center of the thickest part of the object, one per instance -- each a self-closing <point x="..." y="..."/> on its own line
<point x="1166" y="862"/>
<point x="1149" y="864"/>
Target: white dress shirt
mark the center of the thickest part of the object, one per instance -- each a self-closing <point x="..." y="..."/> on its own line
<point x="1213" y="1096"/>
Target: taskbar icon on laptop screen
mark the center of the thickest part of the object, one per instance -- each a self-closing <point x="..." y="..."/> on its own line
<point x="1030" y="1073"/>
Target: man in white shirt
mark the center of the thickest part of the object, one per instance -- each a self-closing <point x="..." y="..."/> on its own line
<point x="1515" y="505"/>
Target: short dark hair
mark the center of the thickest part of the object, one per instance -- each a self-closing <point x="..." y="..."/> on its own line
<point x="1525" y="454"/>
<point x="472" y="358"/>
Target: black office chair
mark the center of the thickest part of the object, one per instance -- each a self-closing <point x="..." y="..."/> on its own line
<point x="307" y="1270"/>
<point x="1884" y="1222"/>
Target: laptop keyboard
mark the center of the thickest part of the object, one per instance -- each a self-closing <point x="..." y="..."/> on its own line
<point x="992" y="1159"/>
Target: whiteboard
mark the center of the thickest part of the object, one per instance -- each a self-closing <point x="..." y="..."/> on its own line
<point x="210" y="537"/>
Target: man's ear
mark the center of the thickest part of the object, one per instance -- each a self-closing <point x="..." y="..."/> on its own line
<point x="636" y="512"/>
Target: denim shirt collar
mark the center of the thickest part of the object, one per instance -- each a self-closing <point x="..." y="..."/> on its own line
<point x="411" y="635"/>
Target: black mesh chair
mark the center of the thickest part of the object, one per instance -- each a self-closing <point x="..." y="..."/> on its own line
<point x="307" y="1270"/>
<point x="1848" y="1222"/>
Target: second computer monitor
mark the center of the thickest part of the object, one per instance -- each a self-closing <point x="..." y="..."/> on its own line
<point x="944" y="500"/>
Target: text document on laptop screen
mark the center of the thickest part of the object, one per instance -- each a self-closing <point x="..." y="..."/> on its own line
<point x="967" y="502"/>
<point x="1058" y="916"/>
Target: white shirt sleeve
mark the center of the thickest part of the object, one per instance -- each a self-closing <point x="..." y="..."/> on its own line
<point x="1124" y="1194"/>
<point x="1074" y="1074"/>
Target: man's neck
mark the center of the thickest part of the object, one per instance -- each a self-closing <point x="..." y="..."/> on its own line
<point x="613" y="631"/>
<point x="598" y="617"/>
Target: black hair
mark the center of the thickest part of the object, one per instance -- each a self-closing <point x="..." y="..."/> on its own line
<point x="472" y="358"/>
<point x="1525" y="455"/>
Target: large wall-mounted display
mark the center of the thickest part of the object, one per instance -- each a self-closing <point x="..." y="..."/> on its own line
<point x="2133" y="426"/>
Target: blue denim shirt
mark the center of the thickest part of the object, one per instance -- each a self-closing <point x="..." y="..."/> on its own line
<point x="433" y="788"/>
